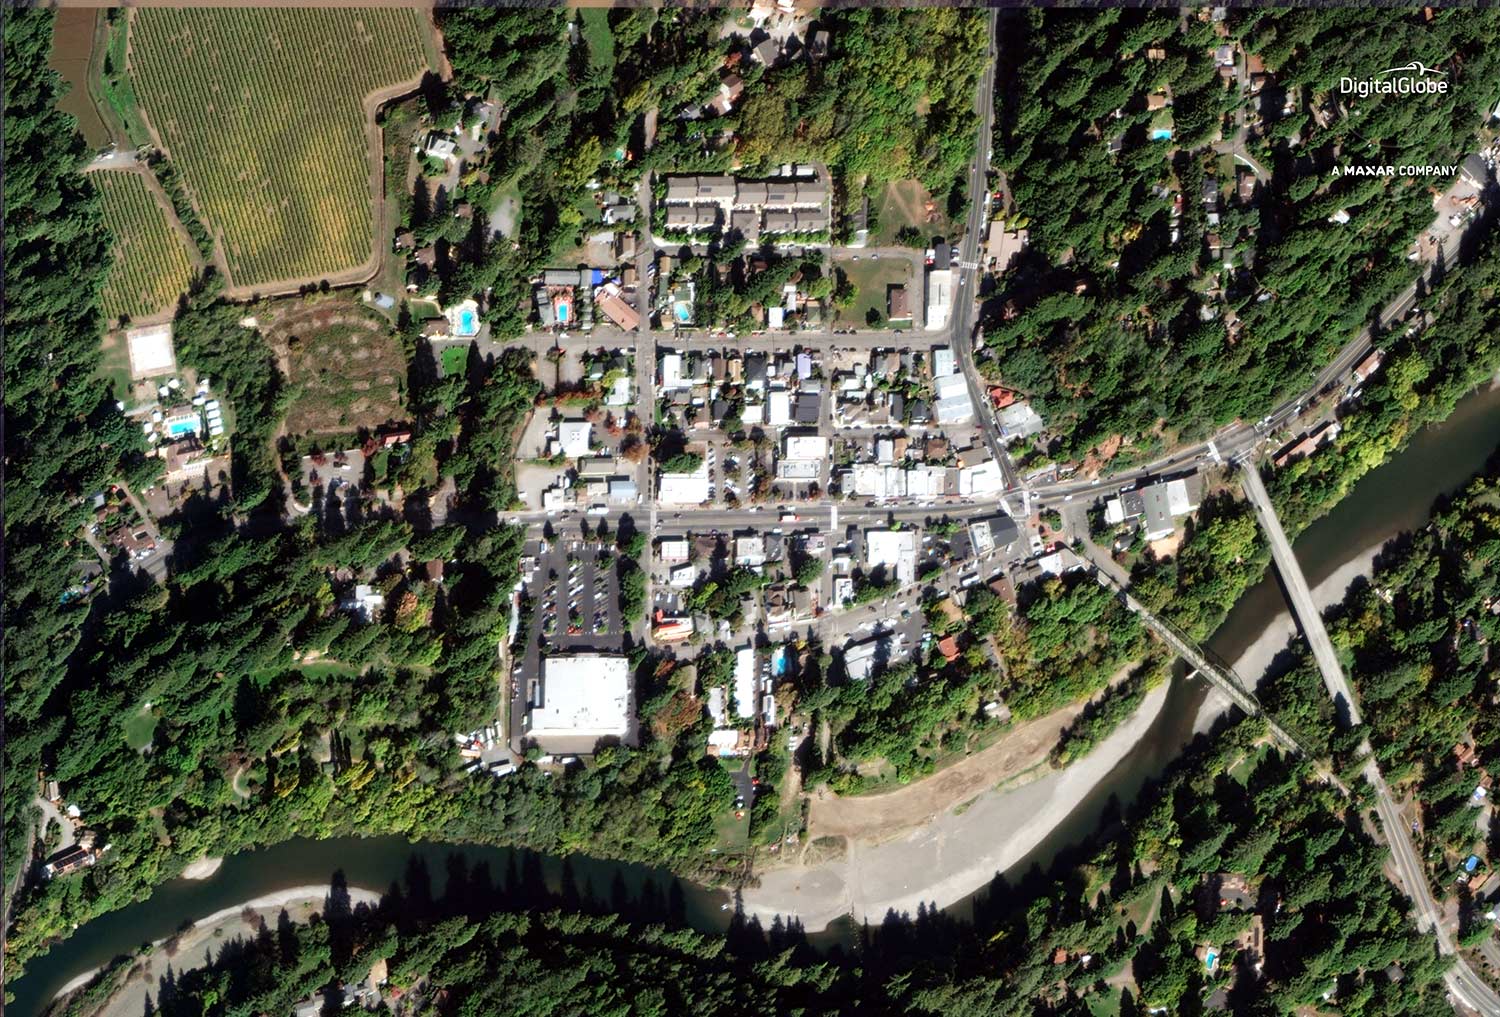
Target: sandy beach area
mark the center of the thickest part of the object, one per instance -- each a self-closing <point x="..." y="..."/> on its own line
<point x="1251" y="665"/>
<point x="189" y="948"/>
<point x="949" y="858"/>
<point x="202" y="868"/>
<point x="960" y="851"/>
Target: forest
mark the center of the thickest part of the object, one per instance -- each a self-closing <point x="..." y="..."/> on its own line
<point x="1109" y="323"/>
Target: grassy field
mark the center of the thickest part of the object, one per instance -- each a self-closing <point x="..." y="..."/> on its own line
<point x="151" y="266"/>
<point x="904" y="203"/>
<point x="872" y="278"/>
<point x="139" y="727"/>
<point x="262" y="113"/>
<point x="600" y="40"/>
<point x="455" y="359"/>
<point x="343" y="361"/>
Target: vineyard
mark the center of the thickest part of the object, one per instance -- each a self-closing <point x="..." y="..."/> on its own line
<point x="262" y="112"/>
<point x="150" y="261"/>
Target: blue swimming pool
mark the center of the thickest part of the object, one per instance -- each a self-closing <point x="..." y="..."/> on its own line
<point x="468" y="322"/>
<point x="562" y="314"/>
<point x="178" y="428"/>
<point x="683" y="312"/>
<point x="1161" y="134"/>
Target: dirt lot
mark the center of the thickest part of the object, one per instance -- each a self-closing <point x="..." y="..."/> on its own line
<point x="875" y="818"/>
<point x="342" y="359"/>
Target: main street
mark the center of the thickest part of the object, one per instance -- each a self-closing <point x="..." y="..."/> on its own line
<point x="965" y="300"/>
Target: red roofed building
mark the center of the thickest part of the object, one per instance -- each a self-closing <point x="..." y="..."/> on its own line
<point x="948" y="647"/>
<point x="1002" y="397"/>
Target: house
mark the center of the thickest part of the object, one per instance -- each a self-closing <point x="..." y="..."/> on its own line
<point x="897" y="303"/>
<point x="730" y="89"/>
<point x="69" y="860"/>
<point x="439" y="146"/>
<point x="1245" y="187"/>
<point x="766" y="52"/>
<point x="948" y="647"/>
<point x="364" y="603"/>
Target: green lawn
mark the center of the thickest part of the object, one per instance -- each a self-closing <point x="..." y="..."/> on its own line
<point x="872" y="276"/>
<point x="114" y="366"/>
<point x="454" y="360"/>
<point x="1105" y="1004"/>
<point x="600" y="40"/>
<point x="139" y="727"/>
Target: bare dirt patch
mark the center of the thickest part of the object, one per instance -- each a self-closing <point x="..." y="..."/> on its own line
<point x="342" y="360"/>
<point x="876" y="818"/>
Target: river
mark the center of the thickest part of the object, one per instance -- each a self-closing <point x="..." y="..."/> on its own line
<point x="1395" y="497"/>
<point x="373" y="863"/>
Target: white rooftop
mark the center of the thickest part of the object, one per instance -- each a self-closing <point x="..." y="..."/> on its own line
<point x="573" y="437"/>
<point x="587" y="695"/>
<point x="744" y="683"/>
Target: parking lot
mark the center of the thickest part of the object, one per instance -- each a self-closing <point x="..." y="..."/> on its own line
<point x="575" y="601"/>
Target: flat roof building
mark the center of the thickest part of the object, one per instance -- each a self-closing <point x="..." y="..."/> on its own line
<point x="584" y="695"/>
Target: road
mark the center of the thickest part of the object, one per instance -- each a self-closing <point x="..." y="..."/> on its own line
<point x="969" y="276"/>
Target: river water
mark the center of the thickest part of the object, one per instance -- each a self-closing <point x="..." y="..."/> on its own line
<point x="1395" y="497"/>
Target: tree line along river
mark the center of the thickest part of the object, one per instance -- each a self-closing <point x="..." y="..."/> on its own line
<point x="1393" y="498"/>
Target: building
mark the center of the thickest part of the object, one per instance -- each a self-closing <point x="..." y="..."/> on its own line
<point x="573" y="438"/>
<point x="1474" y="172"/>
<point x="68" y="860"/>
<point x="893" y="550"/>
<point x="439" y="146"/>
<point x="672" y="630"/>
<point x="953" y="405"/>
<point x="730" y="89"/>
<point x="1308" y="443"/>
<point x="683" y="488"/>
<point x="1156" y="506"/>
<point x="673" y="549"/>
<point x="799" y="448"/>
<point x="744" y="683"/>
<point x="897" y="303"/>
<point x="862" y="660"/>
<point x="995" y="533"/>
<point x="1018" y="420"/>
<point x="939" y="298"/>
<point x="750" y="551"/>
<point x="586" y="695"/>
<point x="151" y="351"/>
<point x="610" y="299"/>
<point x="1003" y="246"/>
<point x="364" y="602"/>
